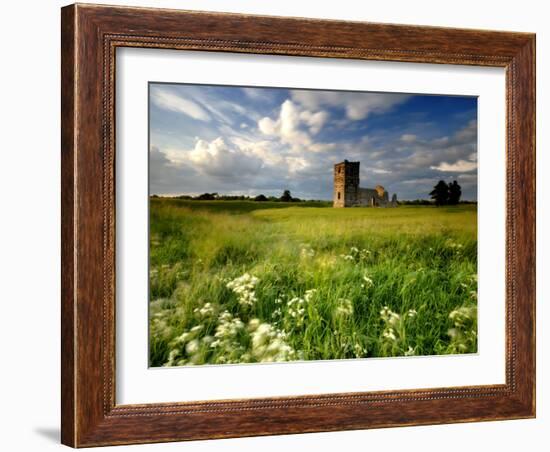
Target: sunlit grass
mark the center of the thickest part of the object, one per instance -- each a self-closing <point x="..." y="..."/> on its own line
<point x="245" y="281"/>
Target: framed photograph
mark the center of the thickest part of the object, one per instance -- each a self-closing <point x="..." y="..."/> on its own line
<point x="281" y="225"/>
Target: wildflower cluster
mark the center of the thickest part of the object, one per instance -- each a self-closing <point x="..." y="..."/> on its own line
<point x="344" y="308"/>
<point x="356" y="255"/>
<point x="359" y="350"/>
<point x="187" y="347"/>
<point x="243" y="287"/>
<point x="463" y="334"/>
<point x="368" y="282"/>
<point x="268" y="343"/>
<point x="471" y="283"/>
<point x="394" y="333"/>
<point x="307" y="251"/>
<point x="205" y="311"/>
<point x="159" y="324"/>
<point x="232" y="342"/>
<point x="227" y="339"/>
<point x="354" y="344"/>
<point x="310" y="293"/>
<point x="454" y="246"/>
<point x="296" y="307"/>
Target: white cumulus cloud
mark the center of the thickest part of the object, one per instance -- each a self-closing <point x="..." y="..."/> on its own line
<point x="287" y="126"/>
<point x="295" y="127"/>
<point x="315" y="121"/>
<point x="217" y="159"/>
<point x="457" y="167"/>
<point x="356" y="106"/>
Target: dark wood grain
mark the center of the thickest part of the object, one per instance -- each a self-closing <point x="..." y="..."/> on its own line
<point x="68" y="310"/>
<point x="90" y="36"/>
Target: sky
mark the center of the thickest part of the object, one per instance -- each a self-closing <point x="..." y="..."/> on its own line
<point x="249" y="141"/>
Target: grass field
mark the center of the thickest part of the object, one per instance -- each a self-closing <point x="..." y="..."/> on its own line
<point x="234" y="282"/>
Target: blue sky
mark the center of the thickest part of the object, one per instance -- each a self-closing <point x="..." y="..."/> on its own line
<point x="235" y="140"/>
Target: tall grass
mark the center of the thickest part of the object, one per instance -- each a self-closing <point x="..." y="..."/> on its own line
<point x="235" y="282"/>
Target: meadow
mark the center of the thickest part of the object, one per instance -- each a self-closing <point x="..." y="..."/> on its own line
<point x="245" y="282"/>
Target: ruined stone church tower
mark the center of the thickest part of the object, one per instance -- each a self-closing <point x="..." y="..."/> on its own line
<point x="347" y="192"/>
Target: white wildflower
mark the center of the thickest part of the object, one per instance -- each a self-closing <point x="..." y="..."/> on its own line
<point x="394" y="319"/>
<point x="385" y="312"/>
<point x="463" y="316"/>
<point x="389" y="317"/>
<point x="394" y="332"/>
<point x="226" y="339"/>
<point x="463" y="335"/>
<point x="182" y="339"/>
<point x="368" y="281"/>
<point x="192" y="347"/>
<point x="243" y="287"/>
<point x="356" y="254"/>
<point x="306" y="252"/>
<point x="253" y="324"/>
<point x="269" y="345"/>
<point x="172" y="357"/>
<point x="453" y="245"/>
<point x="309" y="295"/>
<point x="344" y="308"/>
<point x="206" y="310"/>
<point x="296" y="309"/>
<point x="276" y="313"/>
<point x="359" y="350"/>
<point x="389" y="333"/>
<point x="228" y="326"/>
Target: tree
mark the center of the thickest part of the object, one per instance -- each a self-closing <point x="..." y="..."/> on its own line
<point x="207" y="197"/>
<point x="440" y="193"/>
<point x="286" y="197"/>
<point x="454" y="193"/>
<point x="260" y="198"/>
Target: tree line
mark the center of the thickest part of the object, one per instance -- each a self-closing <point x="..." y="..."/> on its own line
<point x="445" y="194"/>
<point x="285" y="197"/>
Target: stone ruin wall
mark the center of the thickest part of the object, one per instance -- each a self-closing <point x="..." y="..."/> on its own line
<point x="347" y="192"/>
<point x="346" y="184"/>
<point x="367" y="196"/>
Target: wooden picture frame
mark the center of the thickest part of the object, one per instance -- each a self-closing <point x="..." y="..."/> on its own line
<point x="90" y="36"/>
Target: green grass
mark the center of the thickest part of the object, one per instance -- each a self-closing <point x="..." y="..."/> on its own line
<point x="386" y="282"/>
